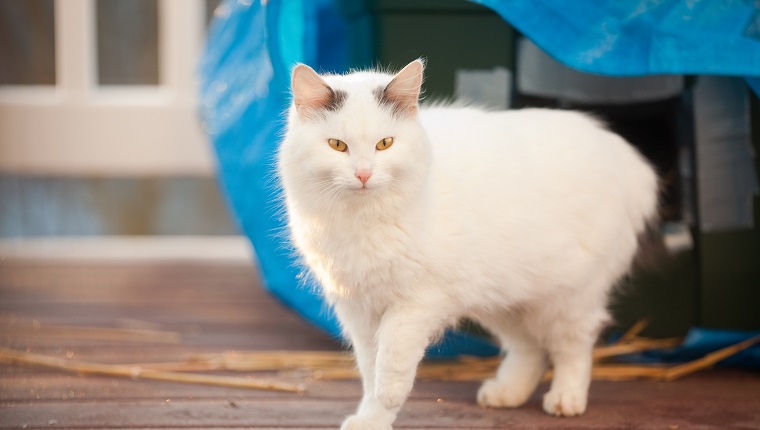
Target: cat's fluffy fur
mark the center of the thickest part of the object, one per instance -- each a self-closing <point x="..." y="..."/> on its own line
<point x="521" y="220"/>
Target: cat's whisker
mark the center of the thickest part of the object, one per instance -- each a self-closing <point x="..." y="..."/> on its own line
<point x="334" y="199"/>
<point x="327" y="199"/>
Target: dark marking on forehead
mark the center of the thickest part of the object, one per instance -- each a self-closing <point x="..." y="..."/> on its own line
<point x="384" y="100"/>
<point x="337" y="99"/>
<point x="379" y="94"/>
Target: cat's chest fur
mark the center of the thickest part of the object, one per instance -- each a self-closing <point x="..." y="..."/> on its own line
<point x="367" y="255"/>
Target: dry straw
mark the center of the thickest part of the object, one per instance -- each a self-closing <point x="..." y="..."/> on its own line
<point x="313" y="365"/>
<point x="8" y="356"/>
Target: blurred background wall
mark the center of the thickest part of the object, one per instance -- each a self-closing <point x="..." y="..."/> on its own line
<point x="99" y="133"/>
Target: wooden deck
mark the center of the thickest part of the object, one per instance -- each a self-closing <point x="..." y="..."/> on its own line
<point x="219" y="307"/>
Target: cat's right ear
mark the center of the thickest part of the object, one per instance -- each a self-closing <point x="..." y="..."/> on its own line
<point x="403" y="92"/>
<point x="310" y="92"/>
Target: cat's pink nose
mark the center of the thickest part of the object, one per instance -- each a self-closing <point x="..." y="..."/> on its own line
<point x="363" y="175"/>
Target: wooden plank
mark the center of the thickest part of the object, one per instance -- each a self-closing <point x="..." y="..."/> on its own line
<point x="110" y="283"/>
<point x="131" y="286"/>
<point x="253" y="338"/>
<point x="185" y="325"/>
<point x="277" y="413"/>
<point x="24" y="385"/>
<point x="50" y="386"/>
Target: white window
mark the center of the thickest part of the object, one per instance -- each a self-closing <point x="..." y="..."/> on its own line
<point x="109" y="90"/>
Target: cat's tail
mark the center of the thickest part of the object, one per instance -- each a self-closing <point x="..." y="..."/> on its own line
<point x="660" y="242"/>
<point x="651" y="250"/>
<point x="645" y="195"/>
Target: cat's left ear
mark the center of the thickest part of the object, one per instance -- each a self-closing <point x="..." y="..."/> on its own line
<point x="403" y="92"/>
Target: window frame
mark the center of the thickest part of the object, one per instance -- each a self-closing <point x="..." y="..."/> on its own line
<point x="78" y="127"/>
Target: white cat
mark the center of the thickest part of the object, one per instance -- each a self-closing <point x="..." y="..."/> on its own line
<point x="413" y="218"/>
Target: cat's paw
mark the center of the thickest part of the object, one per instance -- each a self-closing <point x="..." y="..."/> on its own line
<point x="356" y="422"/>
<point x="565" y="403"/>
<point x="495" y="394"/>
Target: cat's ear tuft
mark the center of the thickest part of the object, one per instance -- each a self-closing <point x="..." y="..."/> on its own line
<point x="403" y="92"/>
<point x="310" y="92"/>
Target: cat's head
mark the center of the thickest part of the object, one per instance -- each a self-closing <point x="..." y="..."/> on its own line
<point x="354" y="136"/>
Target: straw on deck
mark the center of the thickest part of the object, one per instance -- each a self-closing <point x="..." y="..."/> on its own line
<point x="9" y="356"/>
<point x="341" y="365"/>
<point x="708" y="360"/>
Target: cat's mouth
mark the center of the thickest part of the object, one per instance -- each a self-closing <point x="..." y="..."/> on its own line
<point x="364" y="189"/>
<point x="358" y="187"/>
<point x="370" y="187"/>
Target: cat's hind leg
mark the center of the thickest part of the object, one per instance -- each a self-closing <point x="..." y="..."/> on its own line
<point x="520" y="371"/>
<point x="570" y="346"/>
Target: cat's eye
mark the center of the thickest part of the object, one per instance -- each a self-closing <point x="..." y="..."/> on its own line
<point x="338" y="145"/>
<point x="384" y="144"/>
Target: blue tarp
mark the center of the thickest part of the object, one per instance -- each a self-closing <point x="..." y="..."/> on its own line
<point x="244" y="75"/>
<point x="700" y="341"/>
<point x="643" y="37"/>
<point x="245" y="70"/>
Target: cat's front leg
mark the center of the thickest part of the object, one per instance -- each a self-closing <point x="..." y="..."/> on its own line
<point x="403" y="335"/>
<point x="361" y="326"/>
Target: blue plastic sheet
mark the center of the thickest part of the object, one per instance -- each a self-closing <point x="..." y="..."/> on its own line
<point x="701" y="341"/>
<point x="244" y="75"/>
<point x="245" y="69"/>
<point x="642" y="37"/>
